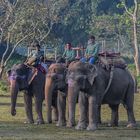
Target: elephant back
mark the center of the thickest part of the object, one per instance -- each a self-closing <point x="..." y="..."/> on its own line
<point x="112" y="59"/>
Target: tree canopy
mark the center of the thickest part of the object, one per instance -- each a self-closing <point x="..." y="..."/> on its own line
<point x="61" y="21"/>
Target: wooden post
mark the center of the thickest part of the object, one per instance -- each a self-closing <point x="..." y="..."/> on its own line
<point x="55" y="55"/>
<point x="118" y="45"/>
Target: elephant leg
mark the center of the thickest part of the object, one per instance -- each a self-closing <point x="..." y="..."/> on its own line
<point x="92" y="114"/>
<point x="131" y="118"/>
<point x="130" y="112"/>
<point x="38" y="108"/>
<point x="114" y="115"/>
<point x="54" y="108"/>
<point x="72" y="98"/>
<point x="48" y="101"/>
<point x="28" y="108"/>
<point x="99" y="114"/>
<point x="83" y="111"/>
<point x="61" y="105"/>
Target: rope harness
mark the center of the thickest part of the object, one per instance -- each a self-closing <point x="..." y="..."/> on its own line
<point x="109" y="83"/>
<point x="33" y="76"/>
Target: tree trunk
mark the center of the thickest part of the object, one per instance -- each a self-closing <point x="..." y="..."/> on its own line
<point x="1" y="72"/>
<point x="136" y="55"/>
<point x="133" y="16"/>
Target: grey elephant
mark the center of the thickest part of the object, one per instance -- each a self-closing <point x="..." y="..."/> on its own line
<point x="56" y="88"/>
<point x="18" y="78"/>
<point x="94" y="82"/>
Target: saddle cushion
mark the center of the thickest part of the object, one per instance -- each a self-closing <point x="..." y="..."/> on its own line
<point x="112" y="60"/>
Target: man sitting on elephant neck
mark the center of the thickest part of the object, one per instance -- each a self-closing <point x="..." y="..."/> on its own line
<point x="35" y="60"/>
<point x="35" y="56"/>
<point x="69" y="54"/>
<point x="91" y="52"/>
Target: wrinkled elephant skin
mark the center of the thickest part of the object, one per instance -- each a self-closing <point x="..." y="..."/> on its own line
<point x="93" y="80"/>
<point x="55" y="91"/>
<point x="18" y="77"/>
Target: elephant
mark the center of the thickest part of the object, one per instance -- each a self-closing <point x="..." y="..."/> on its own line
<point x="18" y="78"/>
<point x="56" y="88"/>
<point x="56" y="81"/>
<point x="94" y="82"/>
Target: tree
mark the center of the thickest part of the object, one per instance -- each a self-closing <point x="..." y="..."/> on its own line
<point x="23" y="21"/>
<point x="132" y="13"/>
<point x="76" y="19"/>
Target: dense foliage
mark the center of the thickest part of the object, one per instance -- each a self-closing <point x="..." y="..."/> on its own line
<point x="65" y="20"/>
<point x="56" y="22"/>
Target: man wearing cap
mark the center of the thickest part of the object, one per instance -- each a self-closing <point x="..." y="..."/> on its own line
<point x="35" y="56"/>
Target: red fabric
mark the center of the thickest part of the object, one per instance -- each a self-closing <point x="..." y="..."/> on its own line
<point x="41" y="68"/>
<point x="109" y="54"/>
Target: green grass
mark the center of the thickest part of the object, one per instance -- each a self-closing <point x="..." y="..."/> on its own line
<point x="13" y="128"/>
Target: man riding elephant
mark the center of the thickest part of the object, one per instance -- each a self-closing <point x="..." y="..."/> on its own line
<point x="91" y="52"/>
<point x="68" y="54"/>
<point x="100" y="86"/>
<point x="18" y="79"/>
<point x="35" y="60"/>
<point x="35" y="55"/>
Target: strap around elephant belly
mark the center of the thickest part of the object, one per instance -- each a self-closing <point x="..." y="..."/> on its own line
<point x="109" y="83"/>
<point x="33" y="75"/>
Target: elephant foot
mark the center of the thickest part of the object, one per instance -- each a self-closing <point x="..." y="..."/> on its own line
<point x="131" y="125"/>
<point x="99" y="120"/>
<point x="38" y="122"/>
<point x="49" y="121"/>
<point x="55" y="120"/>
<point x="29" y="122"/>
<point x="70" y="125"/>
<point x="59" y="124"/>
<point x="99" y="123"/>
<point x="112" y="125"/>
<point x="81" y="126"/>
<point x="92" y="127"/>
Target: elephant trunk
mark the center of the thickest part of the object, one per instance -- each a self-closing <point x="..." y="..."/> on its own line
<point x="14" y="92"/>
<point x="72" y="98"/>
<point x="48" y="98"/>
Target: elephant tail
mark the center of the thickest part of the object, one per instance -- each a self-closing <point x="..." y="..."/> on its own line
<point x="135" y="84"/>
<point x="134" y="78"/>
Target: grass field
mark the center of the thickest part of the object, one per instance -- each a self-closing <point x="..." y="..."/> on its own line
<point x="13" y="128"/>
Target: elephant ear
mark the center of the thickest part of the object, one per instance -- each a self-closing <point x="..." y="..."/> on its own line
<point x="66" y="73"/>
<point x="51" y="69"/>
<point x="92" y="73"/>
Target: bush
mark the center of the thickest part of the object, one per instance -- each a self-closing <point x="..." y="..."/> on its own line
<point x="3" y="87"/>
<point x="132" y="68"/>
<point x="15" y="59"/>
